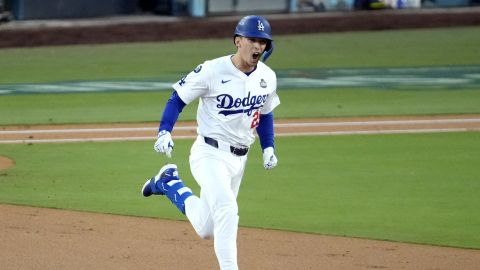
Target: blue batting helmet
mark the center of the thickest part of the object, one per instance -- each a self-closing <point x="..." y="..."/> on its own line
<point x="256" y="27"/>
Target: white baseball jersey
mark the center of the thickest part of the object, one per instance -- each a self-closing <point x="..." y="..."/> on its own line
<point x="230" y="101"/>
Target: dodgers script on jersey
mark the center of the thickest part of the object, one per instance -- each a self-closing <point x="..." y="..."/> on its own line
<point x="228" y="95"/>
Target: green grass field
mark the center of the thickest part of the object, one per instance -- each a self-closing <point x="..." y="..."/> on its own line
<point x="449" y="46"/>
<point x="411" y="188"/>
<point x="416" y="188"/>
<point x="306" y="103"/>
<point x="162" y="60"/>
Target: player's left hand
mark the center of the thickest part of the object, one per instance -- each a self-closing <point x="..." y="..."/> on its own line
<point x="269" y="158"/>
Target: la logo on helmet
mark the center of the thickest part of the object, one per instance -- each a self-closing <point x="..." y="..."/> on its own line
<point x="260" y="26"/>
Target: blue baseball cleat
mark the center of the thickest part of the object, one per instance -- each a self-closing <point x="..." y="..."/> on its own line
<point x="167" y="182"/>
<point x="157" y="185"/>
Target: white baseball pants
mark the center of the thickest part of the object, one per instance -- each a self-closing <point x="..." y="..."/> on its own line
<point x="215" y="213"/>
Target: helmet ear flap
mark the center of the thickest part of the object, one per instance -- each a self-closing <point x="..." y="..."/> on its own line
<point x="269" y="46"/>
<point x="268" y="51"/>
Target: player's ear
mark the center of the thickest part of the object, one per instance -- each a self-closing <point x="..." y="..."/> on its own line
<point x="237" y="41"/>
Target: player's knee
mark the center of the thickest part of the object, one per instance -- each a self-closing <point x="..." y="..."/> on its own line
<point x="204" y="231"/>
<point x="205" y="234"/>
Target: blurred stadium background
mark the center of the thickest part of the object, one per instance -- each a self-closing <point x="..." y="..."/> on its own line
<point x="111" y="21"/>
<point x="54" y="9"/>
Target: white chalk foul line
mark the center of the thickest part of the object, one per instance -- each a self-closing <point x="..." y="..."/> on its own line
<point x="320" y="133"/>
<point x="382" y="122"/>
<point x="369" y="132"/>
<point x="279" y="125"/>
<point x="75" y="130"/>
<point x="108" y="139"/>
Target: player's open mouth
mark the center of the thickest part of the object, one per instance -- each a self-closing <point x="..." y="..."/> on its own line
<point x="256" y="55"/>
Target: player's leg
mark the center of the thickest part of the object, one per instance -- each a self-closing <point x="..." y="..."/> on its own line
<point x="198" y="210"/>
<point x="216" y="210"/>
<point x="167" y="182"/>
<point x="232" y="228"/>
<point x="237" y="178"/>
<point x="220" y="202"/>
<point x="198" y="213"/>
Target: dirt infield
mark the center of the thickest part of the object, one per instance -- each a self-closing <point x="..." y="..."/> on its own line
<point x="36" y="238"/>
<point x="283" y="127"/>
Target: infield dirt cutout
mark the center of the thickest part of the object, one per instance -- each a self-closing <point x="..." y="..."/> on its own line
<point x="39" y="238"/>
<point x="5" y="163"/>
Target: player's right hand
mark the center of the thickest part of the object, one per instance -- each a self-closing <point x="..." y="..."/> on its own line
<point x="164" y="143"/>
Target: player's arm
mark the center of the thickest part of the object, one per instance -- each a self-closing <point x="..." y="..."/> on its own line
<point x="186" y="90"/>
<point x="173" y="108"/>
<point x="266" y="135"/>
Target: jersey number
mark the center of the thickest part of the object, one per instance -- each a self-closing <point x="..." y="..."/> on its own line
<point x="255" y="120"/>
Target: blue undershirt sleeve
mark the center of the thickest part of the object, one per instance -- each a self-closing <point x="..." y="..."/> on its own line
<point x="265" y="131"/>
<point x="172" y="110"/>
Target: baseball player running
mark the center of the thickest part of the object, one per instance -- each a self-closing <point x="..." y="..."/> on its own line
<point x="237" y="96"/>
